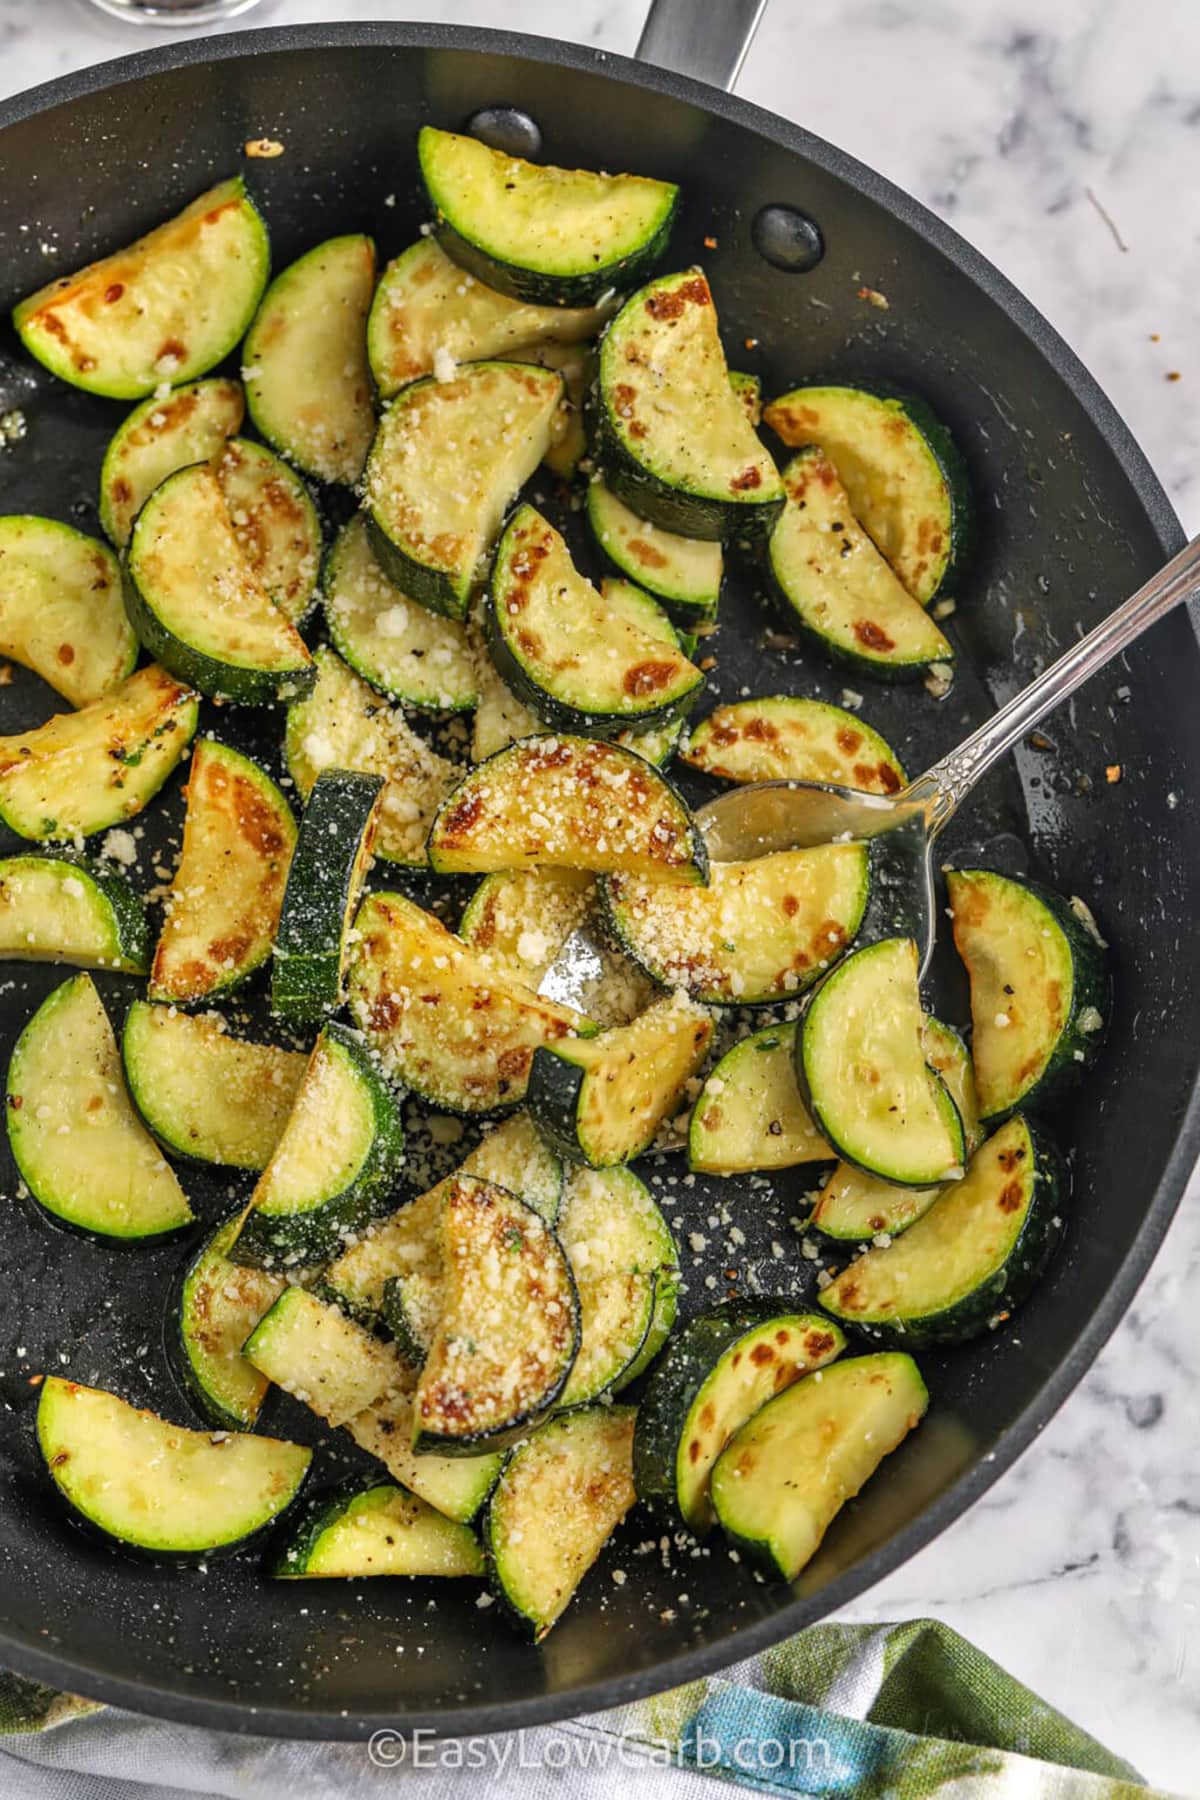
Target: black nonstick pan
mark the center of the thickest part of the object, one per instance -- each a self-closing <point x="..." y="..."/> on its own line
<point x="1070" y="519"/>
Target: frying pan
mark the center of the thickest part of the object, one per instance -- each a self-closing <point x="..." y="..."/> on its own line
<point x="1070" y="519"/>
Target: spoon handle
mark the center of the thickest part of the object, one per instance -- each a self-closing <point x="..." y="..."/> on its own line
<point x="947" y="783"/>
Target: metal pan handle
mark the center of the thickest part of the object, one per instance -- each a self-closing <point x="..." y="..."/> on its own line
<point x="706" y="39"/>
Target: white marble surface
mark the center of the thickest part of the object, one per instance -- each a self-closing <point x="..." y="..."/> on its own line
<point x="1023" y="122"/>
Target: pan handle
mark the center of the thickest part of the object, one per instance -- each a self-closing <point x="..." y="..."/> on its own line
<point x="700" y="38"/>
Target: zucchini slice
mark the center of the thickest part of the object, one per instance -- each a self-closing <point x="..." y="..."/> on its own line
<point x="715" y="1376"/>
<point x="557" y="237"/>
<point x="82" y="1150"/>
<point x="973" y="1255"/>
<point x="61" y="612"/>
<point x="428" y="310"/>
<point x="601" y="1100"/>
<point x="344" y="724"/>
<point x="446" y="461"/>
<point x="853" y="1205"/>
<point x="562" y="1495"/>
<point x="580" y="660"/>
<point x="456" y="1486"/>
<point x="333" y="1168"/>
<point x="674" y="440"/>
<point x="786" y="739"/>
<point x="62" y="909"/>
<point x="520" y="922"/>
<point x="324" y="882"/>
<point x="905" y="480"/>
<point x="861" y="1064"/>
<point x="275" y="523"/>
<point x="683" y="573"/>
<point x="513" y="1155"/>
<point x="311" y="1350"/>
<point x="220" y="1303"/>
<point x="567" y="802"/>
<point x="441" y="1019"/>
<point x="82" y="772"/>
<point x="375" y="1529"/>
<point x="223" y="908"/>
<point x="308" y="386"/>
<point x="1039" y="989"/>
<point x="207" y="1096"/>
<point x="198" y="605"/>
<point x="401" y="648"/>
<point x="761" y="931"/>
<point x="156" y="1487"/>
<point x="782" y="1480"/>
<point x="626" y="1270"/>
<point x="164" y="310"/>
<point x="191" y="425"/>
<point x="749" y="1114"/>
<point x="843" y="593"/>
<point x="509" y="1327"/>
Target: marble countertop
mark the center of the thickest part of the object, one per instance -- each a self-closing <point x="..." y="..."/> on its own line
<point x="1064" y="140"/>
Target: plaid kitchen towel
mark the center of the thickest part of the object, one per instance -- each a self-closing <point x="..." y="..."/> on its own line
<point x="866" y="1712"/>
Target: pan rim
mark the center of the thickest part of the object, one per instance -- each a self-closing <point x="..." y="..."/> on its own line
<point x="300" y="1722"/>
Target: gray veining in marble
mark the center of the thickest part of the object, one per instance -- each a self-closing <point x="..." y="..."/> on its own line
<point x="1063" y="138"/>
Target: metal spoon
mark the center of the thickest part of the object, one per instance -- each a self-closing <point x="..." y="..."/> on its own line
<point x="794" y="815"/>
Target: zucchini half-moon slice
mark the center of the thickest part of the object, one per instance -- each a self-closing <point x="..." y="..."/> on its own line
<point x="749" y="1114"/>
<point x="574" y="802"/>
<point x="860" y="1061"/>
<point x="308" y="386"/>
<point x="220" y="1302"/>
<point x="508" y="1331"/>
<point x="783" y="738"/>
<point x="166" y="309"/>
<point x="427" y="310"/>
<point x="835" y="583"/>
<point x="275" y="523"/>
<point x="759" y="932"/>
<point x="334" y="1166"/>
<point x="313" y="1351"/>
<point x="580" y="660"/>
<point x="673" y="438"/>
<point x="442" y="1020"/>
<point x="375" y="1528"/>
<point x="190" y="425"/>
<point x="898" y="464"/>
<point x="782" y="1480"/>
<point x="1039" y="988"/>
<point x="972" y="1256"/>
<point x="683" y="573"/>
<point x="61" y="611"/>
<point x="81" y="772"/>
<point x="156" y="1487"/>
<point x="63" y="909"/>
<point x="328" y="867"/>
<point x="626" y="1269"/>
<point x="197" y="603"/>
<point x="716" y="1374"/>
<point x="563" y="237"/>
<point x="85" y="1155"/>
<point x="446" y="462"/>
<point x="223" y="908"/>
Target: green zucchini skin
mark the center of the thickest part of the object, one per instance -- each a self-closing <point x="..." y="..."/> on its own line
<point x="1025" y="1161"/>
<point x="317" y="1232"/>
<point x="698" y="1355"/>
<point x="119" y="935"/>
<point x="61" y="612"/>
<point x="192" y="425"/>
<point x="107" y="1458"/>
<point x="796" y="417"/>
<point x="754" y="498"/>
<point x="209" y="1324"/>
<point x="521" y="279"/>
<point x="593" y="1445"/>
<point x="1067" y="1055"/>
<point x="684" y="574"/>
<point x="413" y="1540"/>
<point x="325" y="878"/>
